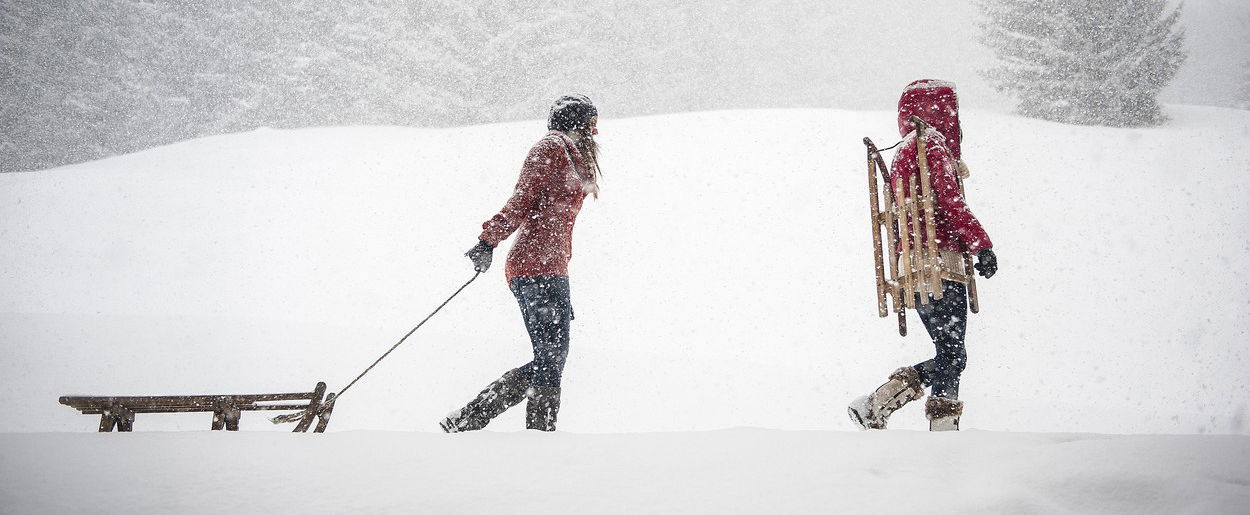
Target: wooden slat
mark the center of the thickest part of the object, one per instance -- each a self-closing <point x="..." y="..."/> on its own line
<point x="323" y="418"/>
<point x="874" y="209"/>
<point x="932" y="272"/>
<point x="974" y="302"/>
<point x="125" y="420"/>
<point x="107" y="422"/>
<point x="313" y="406"/>
<point x="179" y="400"/>
<point x="198" y="407"/>
<point x="892" y="240"/>
<point x="905" y="277"/>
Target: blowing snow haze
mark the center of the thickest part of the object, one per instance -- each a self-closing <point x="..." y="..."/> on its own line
<point x="83" y="80"/>
<point x="318" y="169"/>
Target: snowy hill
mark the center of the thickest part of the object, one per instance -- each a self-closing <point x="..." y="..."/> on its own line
<point x="723" y="280"/>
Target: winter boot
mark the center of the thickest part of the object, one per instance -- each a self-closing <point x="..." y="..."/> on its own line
<point x="504" y="393"/>
<point x="943" y="413"/>
<point x="872" y="411"/>
<point x="541" y="411"/>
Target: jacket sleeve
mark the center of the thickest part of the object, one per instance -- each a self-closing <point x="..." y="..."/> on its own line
<point x="536" y="173"/>
<point x="942" y="175"/>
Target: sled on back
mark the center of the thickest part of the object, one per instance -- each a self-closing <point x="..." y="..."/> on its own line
<point x="904" y="211"/>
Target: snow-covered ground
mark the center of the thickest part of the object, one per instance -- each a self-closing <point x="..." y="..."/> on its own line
<point x="747" y="471"/>
<point x="722" y="281"/>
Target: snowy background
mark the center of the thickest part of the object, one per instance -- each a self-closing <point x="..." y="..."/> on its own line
<point x="83" y="79"/>
<point x="725" y="316"/>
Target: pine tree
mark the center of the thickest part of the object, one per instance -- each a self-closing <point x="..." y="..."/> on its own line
<point x="1100" y="62"/>
<point x="1243" y="88"/>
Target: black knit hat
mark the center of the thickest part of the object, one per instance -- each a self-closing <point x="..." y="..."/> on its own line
<point x="571" y="112"/>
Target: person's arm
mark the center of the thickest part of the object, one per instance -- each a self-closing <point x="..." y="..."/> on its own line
<point x="535" y="174"/>
<point x="942" y="177"/>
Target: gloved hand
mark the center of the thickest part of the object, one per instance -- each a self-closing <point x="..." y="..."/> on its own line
<point x="481" y="256"/>
<point x="987" y="263"/>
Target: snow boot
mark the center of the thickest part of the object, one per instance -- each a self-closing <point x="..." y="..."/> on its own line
<point x="943" y="413"/>
<point x="504" y="393"/>
<point x="543" y="406"/>
<point x="872" y="411"/>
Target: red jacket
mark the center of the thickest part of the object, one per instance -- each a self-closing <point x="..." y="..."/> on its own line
<point x="935" y="103"/>
<point x="544" y="207"/>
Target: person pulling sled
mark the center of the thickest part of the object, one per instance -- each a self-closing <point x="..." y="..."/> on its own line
<point x="932" y="235"/>
<point x="560" y="170"/>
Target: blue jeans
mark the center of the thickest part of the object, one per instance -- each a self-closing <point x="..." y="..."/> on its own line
<point x="547" y="310"/>
<point x="947" y="321"/>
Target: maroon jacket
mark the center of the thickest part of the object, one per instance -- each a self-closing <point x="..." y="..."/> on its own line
<point x="544" y="207"/>
<point x="935" y="102"/>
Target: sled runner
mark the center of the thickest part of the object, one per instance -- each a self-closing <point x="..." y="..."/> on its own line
<point x="119" y="412"/>
<point x="904" y="211"/>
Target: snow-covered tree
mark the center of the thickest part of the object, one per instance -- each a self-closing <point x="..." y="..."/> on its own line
<point x="1243" y="88"/>
<point x="86" y="79"/>
<point x="1100" y="62"/>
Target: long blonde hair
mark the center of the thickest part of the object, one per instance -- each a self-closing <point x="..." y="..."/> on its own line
<point x="589" y="149"/>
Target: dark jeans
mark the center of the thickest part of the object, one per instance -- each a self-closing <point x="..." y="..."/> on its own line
<point x="946" y="320"/>
<point x="547" y="310"/>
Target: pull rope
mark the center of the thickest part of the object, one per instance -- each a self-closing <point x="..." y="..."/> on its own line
<point x="331" y="402"/>
<point x="401" y="340"/>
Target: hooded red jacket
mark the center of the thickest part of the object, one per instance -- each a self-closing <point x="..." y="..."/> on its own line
<point x="934" y="102"/>
<point x="543" y="207"/>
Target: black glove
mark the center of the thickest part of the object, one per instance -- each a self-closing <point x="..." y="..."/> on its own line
<point x="987" y="263"/>
<point x="481" y="256"/>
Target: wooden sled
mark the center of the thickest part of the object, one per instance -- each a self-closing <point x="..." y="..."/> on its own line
<point x="119" y="412"/>
<point x="917" y="267"/>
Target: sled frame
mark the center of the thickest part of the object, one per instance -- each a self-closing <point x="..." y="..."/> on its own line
<point x="905" y="211"/>
<point x="118" y="412"/>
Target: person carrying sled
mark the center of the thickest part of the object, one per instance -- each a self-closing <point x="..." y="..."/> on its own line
<point x="957" y="232"/>
<point x="560" y="170"/>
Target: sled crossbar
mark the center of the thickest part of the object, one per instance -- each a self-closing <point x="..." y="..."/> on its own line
<point x="119" y="412"/>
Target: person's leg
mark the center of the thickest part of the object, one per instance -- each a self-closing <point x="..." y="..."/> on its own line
<point x="547" y="309"/>
<point x="873" y="411"/>
<point x="946" y="320"/>
<point x="505" y="392"/>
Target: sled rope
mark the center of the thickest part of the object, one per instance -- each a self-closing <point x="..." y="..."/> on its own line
<point x="330" y="402"/>
<point x="900" y="142"/>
